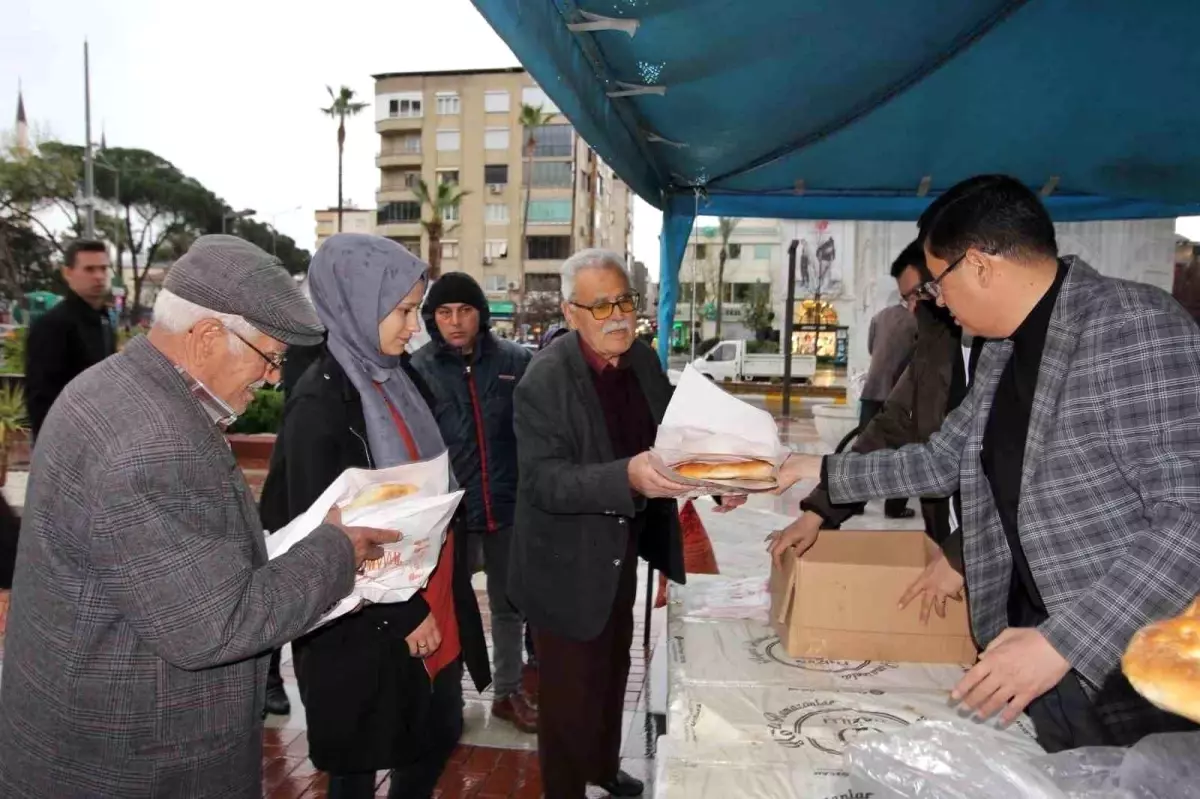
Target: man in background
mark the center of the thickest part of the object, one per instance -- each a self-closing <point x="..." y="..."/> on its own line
<point x="472" y="374"/>
<point x="73" y="335"/>
<point x="890" y="342"/>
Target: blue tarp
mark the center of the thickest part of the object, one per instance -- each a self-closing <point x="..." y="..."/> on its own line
<point x="861" y="109"/>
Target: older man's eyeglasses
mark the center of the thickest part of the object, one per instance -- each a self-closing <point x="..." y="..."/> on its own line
<point x="628" y="303"/>
<point x="275" y="360"/>
<point x="933" y="288"/>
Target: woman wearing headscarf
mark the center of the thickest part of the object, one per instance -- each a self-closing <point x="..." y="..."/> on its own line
<point x="382" y="687"/>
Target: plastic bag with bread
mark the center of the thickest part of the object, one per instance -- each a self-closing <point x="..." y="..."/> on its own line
<point x="1162" y="662"/>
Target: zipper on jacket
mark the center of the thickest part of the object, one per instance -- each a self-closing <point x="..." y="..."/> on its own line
<point x="481" y="442"/>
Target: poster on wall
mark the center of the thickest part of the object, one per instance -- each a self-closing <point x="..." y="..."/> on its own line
<point x="818" y="268"/>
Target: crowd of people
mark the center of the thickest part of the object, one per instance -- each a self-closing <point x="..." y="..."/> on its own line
<point x="1047" y="417"/>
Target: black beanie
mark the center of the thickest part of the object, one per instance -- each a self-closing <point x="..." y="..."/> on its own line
<point x="456" y="287"/>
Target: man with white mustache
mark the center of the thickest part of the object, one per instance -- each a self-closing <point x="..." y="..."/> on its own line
<point x="589" y="502"/>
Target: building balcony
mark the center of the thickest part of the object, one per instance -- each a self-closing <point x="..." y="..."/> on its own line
<point x="538" y="266"/>
<point x="398" y="158"/>
<point x="394" y="194"/>
<point x="399" y="230"/>
<point x="393" y="124"/>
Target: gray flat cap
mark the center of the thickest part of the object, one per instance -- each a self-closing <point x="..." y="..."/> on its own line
<point x="230" y="275"/>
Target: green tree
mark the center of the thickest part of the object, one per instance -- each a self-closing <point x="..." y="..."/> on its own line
<point x="447" y="197"/>
<point x="726" y="225"/>
<point x="758" y="315"/>
<point x="343" y="105"/>
<point x="31" y="183"/>
<point x="532" y="119"/>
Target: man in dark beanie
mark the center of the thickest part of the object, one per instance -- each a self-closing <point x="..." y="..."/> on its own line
<point x="472" y="374"/>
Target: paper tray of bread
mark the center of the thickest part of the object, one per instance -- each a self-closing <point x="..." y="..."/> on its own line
<point x="414" y="498"/>
<point x="717" y="442"/>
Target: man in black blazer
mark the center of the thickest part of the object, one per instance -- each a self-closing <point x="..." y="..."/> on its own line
<point x="589" y="502"/>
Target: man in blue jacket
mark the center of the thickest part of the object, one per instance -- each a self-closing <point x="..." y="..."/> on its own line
<point x="472" y="374"/>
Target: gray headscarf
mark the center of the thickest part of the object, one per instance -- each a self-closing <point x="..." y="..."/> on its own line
<point x="356" y="280"/>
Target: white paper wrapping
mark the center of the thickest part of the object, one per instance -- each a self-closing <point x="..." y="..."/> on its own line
<point x="679" y="779"/>
<point x="421" y="518"/>
<point x="741" y="653"/>
<point x="715" y="596"/>
<point x="704" y="422"/>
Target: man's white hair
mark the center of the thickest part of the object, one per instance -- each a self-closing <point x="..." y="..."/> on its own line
<point x="177" y="315"/>
<point x="590" y="259"/>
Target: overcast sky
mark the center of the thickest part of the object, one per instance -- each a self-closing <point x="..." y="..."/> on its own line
<point x="230" y="91"/>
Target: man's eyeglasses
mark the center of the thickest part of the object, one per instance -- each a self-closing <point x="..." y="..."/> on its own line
<point x="933" y="288"/>
<point x="628" y="303"/>
<point x="275" y="360"/>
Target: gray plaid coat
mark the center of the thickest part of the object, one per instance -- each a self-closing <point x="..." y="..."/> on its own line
<point x="143" y="606"/>
<point x="1110" y="492"/>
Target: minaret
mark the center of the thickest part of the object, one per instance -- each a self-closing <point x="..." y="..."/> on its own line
<point x="22" y="143"/>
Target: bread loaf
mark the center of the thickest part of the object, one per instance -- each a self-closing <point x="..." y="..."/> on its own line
<point x="1162" y="662"/>
<point x="752" y="469"/>
<point x="383" y="492"/>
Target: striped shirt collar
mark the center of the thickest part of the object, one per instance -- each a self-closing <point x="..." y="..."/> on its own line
<point x="216" y="409"/>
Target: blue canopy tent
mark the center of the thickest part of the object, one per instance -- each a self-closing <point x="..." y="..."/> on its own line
<point x="862" y="109"/>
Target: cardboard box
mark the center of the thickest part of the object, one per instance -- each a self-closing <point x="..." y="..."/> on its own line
<point x="839" y="601"/>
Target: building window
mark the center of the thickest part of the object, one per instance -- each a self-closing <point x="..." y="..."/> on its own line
<point x="495" y="139"/>
<point x="685" y="293"/>
<point x="405" y="107"/>
<point x="495" y="174"/>
<point x="447" y="103"/>
<point x="735" y="252"/>
<point x="495" y="102"/>
<point x="448" y="140"/>
<point x="450" y="250"/>
<point x="701" y="252"/>
<point x="546" y="248"/>
<point x="411" y="178"/>
<point x="495" y="248"/>
<point x="551" y="174"/>
<point x="762" y="252"/>
<point x="534" y="96"/>
<point x="451" y="213"/>
<point x="550" y="212"/>
<point x="551" y="284"/>
<point x="447" y="176"/>
<point x="495" y="283"/>
<point x="552" y="141"/>
<point x="496" y="213"/>
<point x="408" y="144"/>
<point x="390" y="213"/>
<point x="742" y="292"/>
<point x="412" y="245"/>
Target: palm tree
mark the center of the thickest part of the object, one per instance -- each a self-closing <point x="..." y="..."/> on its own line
<point x="532" y="118"/>
<point x="343" y="106"/>
<point x="447" y="197"/>
<point x="726" y="224"/>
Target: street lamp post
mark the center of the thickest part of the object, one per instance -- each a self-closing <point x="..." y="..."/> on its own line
<point x="275" y="216"/>
<point x="247" y="212"/>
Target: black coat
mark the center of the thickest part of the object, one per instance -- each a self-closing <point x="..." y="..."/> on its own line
<point x="71" y="337"/>
<point x="10" y="529"/>
<point x="574" y="503"/>
<point x="473" y="403"/>
<point x="365" y="697"/>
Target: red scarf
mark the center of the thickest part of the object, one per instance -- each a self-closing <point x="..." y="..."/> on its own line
<point x="438" y="593"/>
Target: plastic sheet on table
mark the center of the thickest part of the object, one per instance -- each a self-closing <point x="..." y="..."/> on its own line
<point x="944" y="761"/>
<point x="716" y="596"/>
<point x="815" y="726"/>
<point x="744" y="653"/>
<point x="678" y="779"/>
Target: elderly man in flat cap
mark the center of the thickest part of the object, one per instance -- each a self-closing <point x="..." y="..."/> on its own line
<point x="144" y="607"/>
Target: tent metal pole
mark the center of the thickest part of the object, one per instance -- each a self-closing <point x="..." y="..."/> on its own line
<point x="789" y="311"/>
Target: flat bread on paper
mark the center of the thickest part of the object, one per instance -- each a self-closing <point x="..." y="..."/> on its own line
<point x="705" y="425"/>
<point x="414" y="499"/>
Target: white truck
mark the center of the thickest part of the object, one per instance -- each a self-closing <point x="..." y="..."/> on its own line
<point x="728" y="360"/>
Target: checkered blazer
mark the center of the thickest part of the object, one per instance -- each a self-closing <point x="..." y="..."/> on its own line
<point x="1110" y="491"/>
<point x="143" y="602"/>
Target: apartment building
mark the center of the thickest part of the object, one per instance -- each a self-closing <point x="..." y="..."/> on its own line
<point x="354" y="220"/>
<point x="463" y="126"/>
<point x="755" y="259"/>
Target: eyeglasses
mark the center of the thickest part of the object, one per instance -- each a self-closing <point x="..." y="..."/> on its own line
<point x="275" y="360"/>
<point x="933" y="288"/>
<point x="628" y="303"/>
